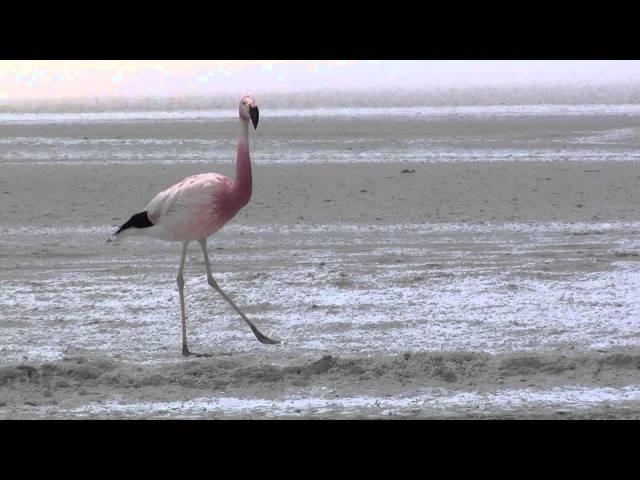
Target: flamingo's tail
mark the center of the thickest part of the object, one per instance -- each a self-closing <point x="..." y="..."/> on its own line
<point x="137" y="221"/>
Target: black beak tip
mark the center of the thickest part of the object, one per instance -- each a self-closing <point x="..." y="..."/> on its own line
<point x="254" y="113"/>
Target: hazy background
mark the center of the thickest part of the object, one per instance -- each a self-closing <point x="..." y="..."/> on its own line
<point x="125" y="84"/>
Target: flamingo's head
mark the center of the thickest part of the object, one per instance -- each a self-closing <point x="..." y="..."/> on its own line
<point x="249" y="110"/>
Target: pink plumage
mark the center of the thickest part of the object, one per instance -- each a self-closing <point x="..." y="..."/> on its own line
<point x="197" y="207"/>
<point x="193" y="209"/>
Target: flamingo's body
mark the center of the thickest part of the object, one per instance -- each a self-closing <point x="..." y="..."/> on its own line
<point x="197" y="207"/>
<point x="192" y="209"/>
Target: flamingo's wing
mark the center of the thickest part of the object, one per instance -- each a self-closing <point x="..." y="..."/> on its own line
<point x="178" y="202"/>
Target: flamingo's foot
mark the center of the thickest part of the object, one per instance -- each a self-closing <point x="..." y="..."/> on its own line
<point x="187" y="353"/>
<point x="198" y="355"/>
<point x="262" y="338"/>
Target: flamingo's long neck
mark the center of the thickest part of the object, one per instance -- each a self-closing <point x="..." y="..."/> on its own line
<point x="243" y="183"/>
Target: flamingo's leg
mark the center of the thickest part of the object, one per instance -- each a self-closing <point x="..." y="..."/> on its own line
<point x="262" y="338"/>
<point x="180" y="280"/>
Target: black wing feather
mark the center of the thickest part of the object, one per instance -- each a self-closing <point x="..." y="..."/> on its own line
<point x="139" y="220"/>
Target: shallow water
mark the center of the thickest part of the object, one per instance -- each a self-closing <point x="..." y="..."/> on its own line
<point x="334" y="112"/>
<point x="327" y="135"/>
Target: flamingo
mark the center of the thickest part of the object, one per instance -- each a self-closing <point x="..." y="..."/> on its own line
<point x="196" y="208"/>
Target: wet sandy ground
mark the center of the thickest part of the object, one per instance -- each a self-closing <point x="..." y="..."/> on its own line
<point x="438" y="268"/>
<point x="461" y="290"/>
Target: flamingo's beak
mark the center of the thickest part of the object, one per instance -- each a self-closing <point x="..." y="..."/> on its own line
<point x="254" y="113"/>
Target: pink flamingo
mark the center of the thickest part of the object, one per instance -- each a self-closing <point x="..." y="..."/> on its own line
<point x="196" y="208"/>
